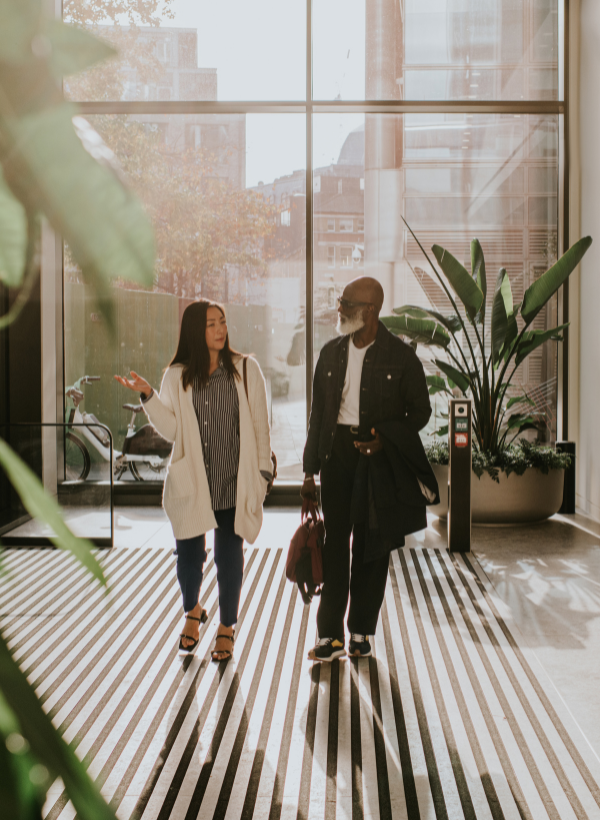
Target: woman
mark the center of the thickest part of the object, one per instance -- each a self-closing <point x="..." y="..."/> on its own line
<point x="220" y="465"/>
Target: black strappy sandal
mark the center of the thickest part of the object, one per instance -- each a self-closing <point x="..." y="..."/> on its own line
<point x="202" y="619"/>
<point x="229" y="652"/>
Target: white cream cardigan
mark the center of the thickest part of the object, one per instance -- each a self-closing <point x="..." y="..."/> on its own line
<point x="186" y="497"/>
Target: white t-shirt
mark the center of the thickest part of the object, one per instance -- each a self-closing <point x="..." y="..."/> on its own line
<point x="350" y="406"/>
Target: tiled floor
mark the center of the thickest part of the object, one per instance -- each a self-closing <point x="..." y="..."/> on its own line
<point x="464" y="711"/>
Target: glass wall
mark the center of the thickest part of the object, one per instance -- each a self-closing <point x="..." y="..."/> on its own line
<point x="226" y="185"/>
<point x="453" y="177"/>
<point x="222" y="233"/>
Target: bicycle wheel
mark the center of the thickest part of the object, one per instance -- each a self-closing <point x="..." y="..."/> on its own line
<point x="144" y="471"/>
<point x="77" y="459"/>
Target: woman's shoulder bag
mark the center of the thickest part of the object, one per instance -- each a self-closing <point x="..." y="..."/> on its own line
<point x="273" y="456"/>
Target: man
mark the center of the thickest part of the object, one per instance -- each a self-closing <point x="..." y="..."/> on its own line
<point x="365" y="382"/>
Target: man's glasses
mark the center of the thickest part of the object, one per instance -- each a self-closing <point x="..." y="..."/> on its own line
<point x="348" y="305"/>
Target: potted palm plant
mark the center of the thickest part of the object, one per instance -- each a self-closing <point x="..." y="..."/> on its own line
<point x="479" y="356"/>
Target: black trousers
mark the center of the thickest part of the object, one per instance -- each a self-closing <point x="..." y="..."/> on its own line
<point x="345" y="573"/>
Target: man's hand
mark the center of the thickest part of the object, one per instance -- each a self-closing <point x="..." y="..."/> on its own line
<point x="309" y="488"/>
<point x="367" y="448"/>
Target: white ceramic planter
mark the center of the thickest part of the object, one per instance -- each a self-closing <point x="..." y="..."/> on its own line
<point x="517" y="499"/>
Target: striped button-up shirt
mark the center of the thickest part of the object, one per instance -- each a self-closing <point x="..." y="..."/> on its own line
<point x="218" y="412"/>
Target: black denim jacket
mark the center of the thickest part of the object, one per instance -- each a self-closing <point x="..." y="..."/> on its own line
<point x="392" y="387"/>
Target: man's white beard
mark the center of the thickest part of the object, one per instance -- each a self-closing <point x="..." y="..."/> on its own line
<point x="347" y="325"/>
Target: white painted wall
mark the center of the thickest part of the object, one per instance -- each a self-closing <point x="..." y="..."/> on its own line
<point x="588" y="444"/>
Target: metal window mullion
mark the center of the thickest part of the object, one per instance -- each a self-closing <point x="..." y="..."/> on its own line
<point x="309" y="311"/>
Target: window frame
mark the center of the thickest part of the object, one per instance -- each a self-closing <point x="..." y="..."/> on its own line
<point x="310" y="106"/>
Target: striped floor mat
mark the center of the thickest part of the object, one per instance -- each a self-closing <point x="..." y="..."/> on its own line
<point x="452" y="717"/>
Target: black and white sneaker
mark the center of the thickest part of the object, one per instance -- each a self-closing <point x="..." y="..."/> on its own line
<point x="359" y="646"/>
<point x="327" y="649"/>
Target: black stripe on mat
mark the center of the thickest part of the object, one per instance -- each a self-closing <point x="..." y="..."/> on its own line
<point x="332" y="742"/>
<point x="383" y="785"/>
<point x="462" y="786"/>
<point x="217" y="738"/>
<point x="480" y="761"/>
<point x="587" y="776"/>
<point x="259" y="754"/>
<point x="358" y="811"/>
<point x="97" y="657"/>
<point x="309" y="744"/>
<point x="529" y="711"/>
<point x="408" y="775"/>
<point x="189" y="699"/>
<point x="238" y="744"/>
<point x="504" y="704"/>
<point x="435" y="783"/>
<point x="288" y="724"/>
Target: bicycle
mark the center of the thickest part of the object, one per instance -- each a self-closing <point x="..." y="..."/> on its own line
<point x="145" y="452"/>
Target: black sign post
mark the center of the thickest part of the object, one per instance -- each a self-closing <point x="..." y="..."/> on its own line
<point x="459" y="475"/>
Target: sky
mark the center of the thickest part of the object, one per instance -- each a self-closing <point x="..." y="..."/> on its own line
<point x="259" y="51"/>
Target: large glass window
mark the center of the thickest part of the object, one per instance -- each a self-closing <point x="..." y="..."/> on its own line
<point x="222" y="233"/>
<point x="226" y="185"/>
<point x="453" y="177"/>
<point x="435" y="49"/>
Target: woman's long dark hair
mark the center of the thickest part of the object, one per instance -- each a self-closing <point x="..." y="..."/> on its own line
<point x="192" y="350"/>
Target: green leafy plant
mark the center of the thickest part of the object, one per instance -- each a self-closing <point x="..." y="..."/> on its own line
<point x="483" y="368"/>
<point x="53" y="165"/>
<point x="515" y="458"/>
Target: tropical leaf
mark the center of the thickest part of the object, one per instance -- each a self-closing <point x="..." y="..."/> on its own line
<point x="519" y="400"/>
<point x="441" y="431"/>
<point x="41" y="506"/>
<point x="478" y="272"/>
<point x="23" y="781"/>
<point x="73" y="49"/>
<point x="464" y="286"/>
<point x="460" y="379"/>
<point x="499" y="316"/>
<point x="46" y="744"/>
<point x="532" y="339"/>
<point x="518" y="420"/>
<point x="20" y="23"/>
<point x="512" y="331"/>
<point x="13" y="237"/>
<point x="48" y="168"/>
<point x="436" y="385"/>
<point x="452" y="323"/>
<point x="546" y="286"/>
<point x="424" y="331"/>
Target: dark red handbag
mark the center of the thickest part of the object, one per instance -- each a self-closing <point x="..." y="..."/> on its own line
<point x="304" y="564"/>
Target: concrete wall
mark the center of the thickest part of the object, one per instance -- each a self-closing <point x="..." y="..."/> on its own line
<point x="588" y="144"/>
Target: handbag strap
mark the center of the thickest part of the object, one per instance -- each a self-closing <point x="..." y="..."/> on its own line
<point x="245" y="369"/>
<point x="310" y="509"/>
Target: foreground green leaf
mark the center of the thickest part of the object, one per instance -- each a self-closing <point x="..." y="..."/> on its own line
<point x="41" y="506"/>
<point x="461" y="380"/>
<point x="13" y="237"/>
<point x="23" y="781"/>
<point x="462" y="283"/>
<point x="74" y="49"/>
<point x="20" y="23"/>
<point x="46" y="744"/>
<point x="49" y="169"/>
<point x="501" y="308"/>
<point x="546" y="286"/>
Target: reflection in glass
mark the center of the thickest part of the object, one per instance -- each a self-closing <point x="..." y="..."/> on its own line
<point x="454" y="177"/>
<point x="194" y="50"/>
<point x="226" y="194"/>
<point x="435" y="49"/>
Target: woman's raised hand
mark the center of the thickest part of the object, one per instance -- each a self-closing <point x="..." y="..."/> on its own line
<point x="136" y="383"/>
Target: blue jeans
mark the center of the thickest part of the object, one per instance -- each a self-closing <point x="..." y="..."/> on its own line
<point x="229" y="559"/>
